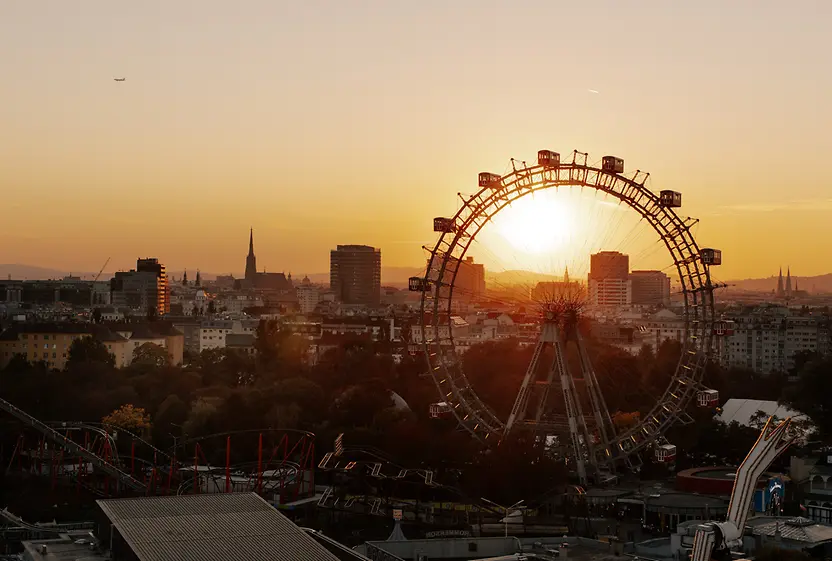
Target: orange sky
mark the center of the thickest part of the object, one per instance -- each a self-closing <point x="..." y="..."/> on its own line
<point x="326" y="122"/>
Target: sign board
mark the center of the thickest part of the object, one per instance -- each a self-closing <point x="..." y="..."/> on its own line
<point x="397" y="514"/>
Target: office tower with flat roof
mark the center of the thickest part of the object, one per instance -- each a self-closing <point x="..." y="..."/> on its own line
<point x="609" y="282"/>
<point x="355" y="274"/>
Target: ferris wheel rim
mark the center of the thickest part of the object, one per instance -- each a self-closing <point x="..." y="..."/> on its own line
<point x="694" y="275"/>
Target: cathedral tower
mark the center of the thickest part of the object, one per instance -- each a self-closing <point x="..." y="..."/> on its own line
<point x="251" y="260"/>
<point x="780" y="293"/>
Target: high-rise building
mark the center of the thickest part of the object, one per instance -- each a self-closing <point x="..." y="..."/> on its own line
<point x="145" y="288"/>
<point x="470" y="277"/>
<point x="609" y="282"/>
<point x="355" y="274"/>
<point x="650" y="288"/>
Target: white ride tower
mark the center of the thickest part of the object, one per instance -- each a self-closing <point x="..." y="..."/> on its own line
<point x="715" y="540"/>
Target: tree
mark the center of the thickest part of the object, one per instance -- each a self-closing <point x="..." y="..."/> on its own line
<point x="151" y="355"/>
<point x="86" y="350"/>
<point x="202" y="410"/>
<point x="806" y="395"/>
<point x="128" y="417"/>
<point x="172" y="412"/>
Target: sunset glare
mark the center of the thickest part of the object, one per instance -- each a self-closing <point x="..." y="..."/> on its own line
<point x="536" y="224"/>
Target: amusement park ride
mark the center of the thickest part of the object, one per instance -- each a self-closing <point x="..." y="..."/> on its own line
<point x="89" y="455"/>
<point x="715" y="540"/>
<point x="596" y="446"/>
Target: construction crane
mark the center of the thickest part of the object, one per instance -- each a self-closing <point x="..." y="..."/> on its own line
<point x="715" y="540"/>
<point x="102" y="269"/>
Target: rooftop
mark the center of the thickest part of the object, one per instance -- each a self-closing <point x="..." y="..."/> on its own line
<point x="794" y="529"/>
<point x="67" y="547"/>
<point x="742" y="410"/>
<point x="216" y="527"/>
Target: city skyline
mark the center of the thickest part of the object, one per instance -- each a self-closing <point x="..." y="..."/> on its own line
<point x="291" y="118"/>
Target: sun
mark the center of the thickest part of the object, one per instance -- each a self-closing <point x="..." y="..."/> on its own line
<point x="536" y="224"/>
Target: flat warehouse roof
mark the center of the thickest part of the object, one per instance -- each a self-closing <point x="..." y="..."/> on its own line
<point x="210" y="527"/>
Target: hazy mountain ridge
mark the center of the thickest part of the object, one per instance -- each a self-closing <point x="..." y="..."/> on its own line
<point x="18" y="271"/>
<point x="399" y="276"/>
<point x="819" y="283"/>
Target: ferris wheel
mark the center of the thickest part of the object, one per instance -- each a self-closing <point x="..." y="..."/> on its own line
<point x="595" y="444"/>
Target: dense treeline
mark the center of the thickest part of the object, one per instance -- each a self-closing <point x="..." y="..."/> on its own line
<point x="349" y="390"/>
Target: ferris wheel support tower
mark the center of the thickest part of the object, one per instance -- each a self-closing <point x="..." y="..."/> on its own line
<point x="558" y="329"/>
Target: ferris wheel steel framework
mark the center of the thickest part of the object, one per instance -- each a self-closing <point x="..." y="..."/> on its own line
<point x="459" y="232"/>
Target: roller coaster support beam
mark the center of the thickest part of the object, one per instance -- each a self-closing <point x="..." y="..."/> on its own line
<point x="71" y="446"/>
<point x="260" y="464"/>
<point x="715" y="540"/>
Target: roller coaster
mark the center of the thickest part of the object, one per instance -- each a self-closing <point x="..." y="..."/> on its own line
<point x="111" y="461"/>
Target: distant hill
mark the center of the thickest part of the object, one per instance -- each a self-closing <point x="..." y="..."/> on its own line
<point x="817" y="284"/>
<point x="389" y="275"/>
<point x="30" y="272"/>
<point x="525" y="278"/>
<point x="397" y="276"/>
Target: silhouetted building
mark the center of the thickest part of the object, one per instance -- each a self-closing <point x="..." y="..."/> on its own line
<point x="785" y="292"/>
<point x="69" y="290"/>
<point x="144" y="289"/>
<point x="550" y="291"/>
<point x="470" y="277"/>
<point x="609" y="283"/>
<point x="650" y="288"/>
<point x="251" y="260"/>
<point x="263" y="281"/>
<point x="355" y="274"/>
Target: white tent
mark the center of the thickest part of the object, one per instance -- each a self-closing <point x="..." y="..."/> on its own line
<point x="742" y="410"/>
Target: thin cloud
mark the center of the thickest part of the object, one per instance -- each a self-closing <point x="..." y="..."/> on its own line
<point x="593" y="91"/>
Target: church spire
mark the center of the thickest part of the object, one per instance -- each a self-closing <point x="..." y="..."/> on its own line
<point x="788" y="282"/>
<point x="566" y="275"/>
<point x="780" y="292"/>
<point x="251" y="260"/>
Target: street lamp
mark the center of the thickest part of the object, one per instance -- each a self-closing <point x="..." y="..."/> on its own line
<point x="505" y="509"/>
<point x="177" y="438"/>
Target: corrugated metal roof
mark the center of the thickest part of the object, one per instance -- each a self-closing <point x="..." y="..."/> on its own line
<point x="796" y="529"/>
<point x="221" y="527"/>
<point x="741" y="410"/>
